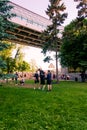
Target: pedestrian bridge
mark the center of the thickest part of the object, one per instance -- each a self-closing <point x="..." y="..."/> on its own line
<point x="30" y="26"/>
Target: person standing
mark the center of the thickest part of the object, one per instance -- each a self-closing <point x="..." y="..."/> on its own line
<point x="42" y="79"/>
<point x="36" y="75"/>
<point x="36" y="79"/>
<point x="16" y="78"/>
<point x="49" y="80"/>
<point x="83" y="76"/>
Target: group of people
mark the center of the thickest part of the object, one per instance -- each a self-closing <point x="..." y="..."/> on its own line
<point x="44" y="79"/>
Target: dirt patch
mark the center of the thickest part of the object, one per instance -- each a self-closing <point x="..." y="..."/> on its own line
<point x="29" y="86"/>
<point x="25" y="85"/>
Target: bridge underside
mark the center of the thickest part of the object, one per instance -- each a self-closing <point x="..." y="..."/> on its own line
<point x="26" y="36"/>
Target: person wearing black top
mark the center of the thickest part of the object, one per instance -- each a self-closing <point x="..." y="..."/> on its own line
<point x="42" y="79"/>
<point x="49" y="80"/>
<point x="36" y="75"/>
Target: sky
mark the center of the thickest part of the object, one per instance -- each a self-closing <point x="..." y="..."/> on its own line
<point x="39" y="7"/>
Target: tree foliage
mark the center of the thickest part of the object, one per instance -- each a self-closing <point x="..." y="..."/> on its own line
<point x="5" y="16"/>
<point x="6" y="56"/>
<point x="82" y="9"/>
<point x="23" y="66"/>
<point x="73" y="51"/>
<point x="74" y="48"/>
<point x="14" y="62"/>
<point x="5" y="24"/>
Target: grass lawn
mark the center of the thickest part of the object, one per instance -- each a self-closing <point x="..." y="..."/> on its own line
<point x="64" y="108"/>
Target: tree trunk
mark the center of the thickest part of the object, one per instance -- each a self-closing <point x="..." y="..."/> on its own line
<point x="57" y="74"/>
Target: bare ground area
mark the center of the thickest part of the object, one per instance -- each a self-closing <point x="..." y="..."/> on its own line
<point x="25" y="85"/>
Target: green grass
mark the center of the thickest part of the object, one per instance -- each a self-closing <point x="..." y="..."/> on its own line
<point x="64" y="108"/>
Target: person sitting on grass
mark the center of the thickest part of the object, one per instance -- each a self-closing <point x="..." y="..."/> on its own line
<point x="22" y="81"/>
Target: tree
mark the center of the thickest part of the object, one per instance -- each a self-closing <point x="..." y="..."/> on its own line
<point x="7" y="56"/>
<point x="73" y="52"/>
<point x="82" y="26"/>
<point x="50" y="36"/>
<point x="5" y="24"/>
<point x="18" y="57"/>
<point x="23" y="66"/>
<point x="33" y="65"/>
